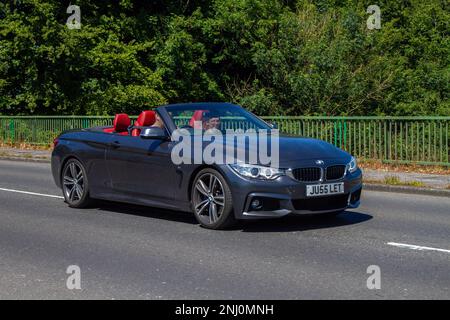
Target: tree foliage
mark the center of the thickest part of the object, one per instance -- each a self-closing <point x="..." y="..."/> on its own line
<point x="274" y="57"/>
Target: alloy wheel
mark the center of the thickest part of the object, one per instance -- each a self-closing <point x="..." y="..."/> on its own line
<point x="209" y="198"/>
<point x="73" y="182"/>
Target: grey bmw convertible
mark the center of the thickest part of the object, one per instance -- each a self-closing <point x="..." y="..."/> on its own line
<point x="151" y="161"/>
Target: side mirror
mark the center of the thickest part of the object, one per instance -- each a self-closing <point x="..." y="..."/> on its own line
<point x="154" y="133"/>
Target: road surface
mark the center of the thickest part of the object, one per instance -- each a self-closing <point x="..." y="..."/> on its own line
<point x="132" y="252"/>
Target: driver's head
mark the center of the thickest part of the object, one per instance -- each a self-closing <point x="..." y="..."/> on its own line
<point x="158" y="121"/>
<point x="211" y="120"/>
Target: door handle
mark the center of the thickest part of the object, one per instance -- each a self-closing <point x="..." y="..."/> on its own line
<point x="114" y="144"/>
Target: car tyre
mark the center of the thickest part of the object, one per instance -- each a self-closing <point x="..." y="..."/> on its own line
<point x="212" y="201"/>
<point x="75" y="184"/>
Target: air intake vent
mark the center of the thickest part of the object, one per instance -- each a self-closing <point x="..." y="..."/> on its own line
<point x="335" y="172"/>
<point x="322" y="203"/>
<point x="307" y="174"/>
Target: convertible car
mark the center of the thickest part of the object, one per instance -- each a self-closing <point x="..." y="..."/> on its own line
<point x="132" y="163"/>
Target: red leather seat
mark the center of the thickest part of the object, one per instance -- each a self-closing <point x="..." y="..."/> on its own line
<point x="197" y="116"/>
<point x="121" y="123"/>
<point x="145" y="119"/>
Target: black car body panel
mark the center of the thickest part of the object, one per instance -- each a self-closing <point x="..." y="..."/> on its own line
<point x="140" y="171"/>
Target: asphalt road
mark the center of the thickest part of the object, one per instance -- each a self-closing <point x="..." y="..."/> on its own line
<point x="128" y="252"/>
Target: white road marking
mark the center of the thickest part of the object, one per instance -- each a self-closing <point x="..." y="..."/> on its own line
<point x="32" y="193"/>
<point x="416" y="247"/>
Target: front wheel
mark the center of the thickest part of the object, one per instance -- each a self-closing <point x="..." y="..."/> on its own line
<point x="75" y="184"/>
<point x="212" y="201"/>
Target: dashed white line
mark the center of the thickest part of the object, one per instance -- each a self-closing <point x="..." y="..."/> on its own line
<point x="32" y="193"/>
<point x="395" y="244"/>
<point x="416" y="247"/>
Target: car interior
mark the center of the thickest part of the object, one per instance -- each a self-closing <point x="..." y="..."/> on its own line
<point x="122" y="123"/>
<point x="197" y="116"/>
<point x="185" y="120"/>
<point x="145" y="119"/>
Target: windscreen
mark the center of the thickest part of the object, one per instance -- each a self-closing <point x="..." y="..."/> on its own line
<point x="220" y="117"/>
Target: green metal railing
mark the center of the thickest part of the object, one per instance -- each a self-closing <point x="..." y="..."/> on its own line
<point x="421" y="140"/>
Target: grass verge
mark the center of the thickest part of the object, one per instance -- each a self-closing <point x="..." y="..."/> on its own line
<point x="395" y="181"/>
<point x="379" y="165"/>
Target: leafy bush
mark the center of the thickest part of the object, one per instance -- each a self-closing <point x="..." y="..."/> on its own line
<point x="274" y="57"/>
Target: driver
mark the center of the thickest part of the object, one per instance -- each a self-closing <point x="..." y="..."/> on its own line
<point x="211" y="120"/>
<point x="158" y="122"/>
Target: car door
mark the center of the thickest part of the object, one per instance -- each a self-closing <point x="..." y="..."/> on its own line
<point x="90" y="147"/>
<point x="141" y="167"/>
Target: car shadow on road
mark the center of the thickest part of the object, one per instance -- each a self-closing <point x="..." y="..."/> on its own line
<point x="144" y="211"/>
<point x="305" y="222"/>
<point x="285" y="224"/>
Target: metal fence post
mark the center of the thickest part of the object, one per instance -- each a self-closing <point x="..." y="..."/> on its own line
<point x="12" y="131"/>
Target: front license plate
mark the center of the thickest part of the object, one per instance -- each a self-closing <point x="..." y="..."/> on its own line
<point x="315" y="190"/>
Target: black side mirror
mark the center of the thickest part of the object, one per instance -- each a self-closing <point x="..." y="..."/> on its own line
<point x="154" y="133"/>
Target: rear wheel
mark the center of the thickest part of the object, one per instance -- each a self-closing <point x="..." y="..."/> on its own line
<point x="75" y="184"/>
<point x="212" y="201"/>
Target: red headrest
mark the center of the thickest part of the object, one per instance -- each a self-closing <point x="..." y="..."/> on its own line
<point x="121" y="122"/>
<point x="145" y="119"/>
<point x="197" y="116"/>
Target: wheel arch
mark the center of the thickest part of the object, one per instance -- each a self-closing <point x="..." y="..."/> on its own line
<point x="63" y="163"/>
<point x="197" y="170"/>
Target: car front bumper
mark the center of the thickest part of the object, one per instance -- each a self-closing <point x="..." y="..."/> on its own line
<point x="285" y="196"/>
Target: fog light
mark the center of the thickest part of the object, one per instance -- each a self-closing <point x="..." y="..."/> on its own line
<point x="256" y="204"/>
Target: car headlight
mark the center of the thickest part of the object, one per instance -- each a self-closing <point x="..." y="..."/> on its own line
<point x="352" y="165"/>
<point x="257" y="172"/>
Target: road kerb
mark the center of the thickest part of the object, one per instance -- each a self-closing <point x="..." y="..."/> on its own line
<point x="406" y="189"/>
